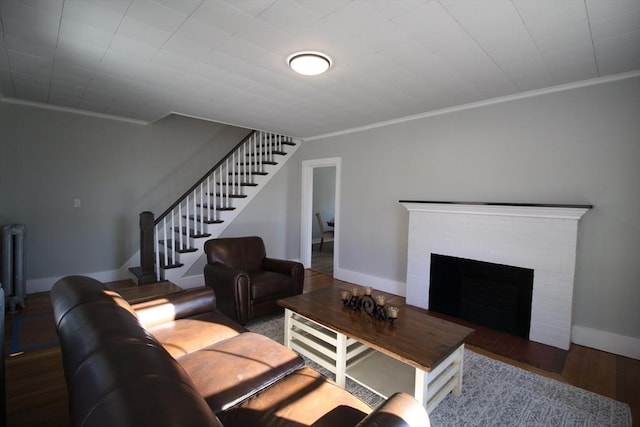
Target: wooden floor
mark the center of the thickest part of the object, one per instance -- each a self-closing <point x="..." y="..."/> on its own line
<point x="322" y="260"/>
<point x="36" y="391"/>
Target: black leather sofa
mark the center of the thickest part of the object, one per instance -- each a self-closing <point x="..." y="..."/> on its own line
<point x="178" y="361"/>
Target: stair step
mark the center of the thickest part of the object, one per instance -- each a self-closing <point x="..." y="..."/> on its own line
<point x="271" y="142"/>
<point x="241" y="184"/>
<point x="253" y="163"/>
<point x="281" y="153"/>
<point x="191" y="233"/>
<point x="170" y="266"/>
<point x="231" y="196"/>
<point x="218" y="208"/>
<point x="171" y="263"/>
<point x="252" y="173"/>
<point x="169" y="244"/>
<point x="206" y="221"/>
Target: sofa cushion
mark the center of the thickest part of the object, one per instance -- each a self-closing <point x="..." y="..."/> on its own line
<point x="232" y="370"/>
<point x="269" y="285"/>
<point x="303" y="398"/>
<point x="184" y="336"/>
<point x="175" y="306"/>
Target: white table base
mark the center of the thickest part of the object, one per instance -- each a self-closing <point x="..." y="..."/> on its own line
<point x="381" y="373"/>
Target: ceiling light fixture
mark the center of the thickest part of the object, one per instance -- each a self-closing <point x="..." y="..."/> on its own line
<point x="309" y="63"/>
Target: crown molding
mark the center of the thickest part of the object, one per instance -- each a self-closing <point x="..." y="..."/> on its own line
<point x="484" y="103"/>
<point x="72" y="110"/>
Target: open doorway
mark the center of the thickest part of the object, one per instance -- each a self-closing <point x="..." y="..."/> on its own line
<point x="322" y="229"/>
<point x="320" y="175"/>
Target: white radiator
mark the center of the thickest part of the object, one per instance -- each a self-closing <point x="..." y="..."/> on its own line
<point x="13" y="277"/>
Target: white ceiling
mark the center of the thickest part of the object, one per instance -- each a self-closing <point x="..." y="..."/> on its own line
<point x="226" y="60"/>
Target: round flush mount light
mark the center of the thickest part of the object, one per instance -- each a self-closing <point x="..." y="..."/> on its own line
<point x="309" y="63"/>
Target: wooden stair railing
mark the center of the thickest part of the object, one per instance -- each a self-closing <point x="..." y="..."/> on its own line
<point x="196" y="213"/>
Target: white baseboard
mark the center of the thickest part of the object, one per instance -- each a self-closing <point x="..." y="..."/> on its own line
<point x="46" y="283"/>
<point x="606" y="341"/>
<point x="379" y="283"/>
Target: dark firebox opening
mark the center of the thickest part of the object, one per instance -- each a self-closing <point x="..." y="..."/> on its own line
<point x="492" y="295"/>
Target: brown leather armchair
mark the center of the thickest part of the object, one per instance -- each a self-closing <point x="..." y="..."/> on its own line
<point x="247" y="284"/>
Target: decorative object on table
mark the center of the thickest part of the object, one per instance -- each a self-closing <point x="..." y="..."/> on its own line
<point x="374" y="307"/>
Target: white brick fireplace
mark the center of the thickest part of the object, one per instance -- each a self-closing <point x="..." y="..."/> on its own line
<point x="538" y="237"/>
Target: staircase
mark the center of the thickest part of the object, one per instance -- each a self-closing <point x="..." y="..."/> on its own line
<point x="211" y="204"/>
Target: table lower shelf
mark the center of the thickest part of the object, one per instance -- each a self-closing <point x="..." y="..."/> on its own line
<point x="394" y="377"/>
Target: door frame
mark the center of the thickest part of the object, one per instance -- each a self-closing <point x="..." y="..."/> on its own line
<point x="306" y="214"/>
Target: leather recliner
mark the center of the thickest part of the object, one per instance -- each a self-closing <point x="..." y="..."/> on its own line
<point x="247" y="283"/>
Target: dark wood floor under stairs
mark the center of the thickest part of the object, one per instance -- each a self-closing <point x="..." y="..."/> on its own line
<point x="36" y="391"/>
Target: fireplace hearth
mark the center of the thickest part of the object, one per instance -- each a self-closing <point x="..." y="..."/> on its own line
<point x="493" y="295"/>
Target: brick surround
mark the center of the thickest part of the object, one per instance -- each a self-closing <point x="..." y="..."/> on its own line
<point x="539" y="237"/>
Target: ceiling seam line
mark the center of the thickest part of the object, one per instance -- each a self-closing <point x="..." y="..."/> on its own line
<point x="6" y="52"/>
<point x="180" y="26"/>
<point x="533" y="40"/>
<point x="593" y="45"/>
<point x="479" y="46"/>
<point x="53" y="60"/>
<point x="105" y="53"/>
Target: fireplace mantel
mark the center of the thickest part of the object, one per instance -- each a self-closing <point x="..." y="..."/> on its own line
<point x="542" y="237"/>
<point x="566" y="211"/>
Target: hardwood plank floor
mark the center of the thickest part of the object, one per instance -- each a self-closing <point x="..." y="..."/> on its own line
<point x="36" y="390"/>
<point x="322" y="260"/>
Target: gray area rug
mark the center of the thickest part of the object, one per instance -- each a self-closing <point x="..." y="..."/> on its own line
<point x="497" y="394"/>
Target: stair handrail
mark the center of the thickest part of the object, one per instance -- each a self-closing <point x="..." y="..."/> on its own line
<point x="204" y="178"/>
<point x="172" y="229"/>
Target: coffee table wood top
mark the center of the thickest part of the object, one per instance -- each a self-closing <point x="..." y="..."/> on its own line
<point x="415" y="338"/>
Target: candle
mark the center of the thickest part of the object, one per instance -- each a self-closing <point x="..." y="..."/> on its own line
<point x="380" y="299"/>
<point x="344" y="295"/>
<point x="367" y="290"/>
<point x="393" y="312"/>
<point x="354" y="292"/>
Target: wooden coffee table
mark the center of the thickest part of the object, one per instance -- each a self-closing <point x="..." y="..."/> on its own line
<point x="418" y="354"/>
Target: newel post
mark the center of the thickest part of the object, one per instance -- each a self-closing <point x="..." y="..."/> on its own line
<point x="148" y="272"/>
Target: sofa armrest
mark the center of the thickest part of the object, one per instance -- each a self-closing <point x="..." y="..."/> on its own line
<point x="219" y="273"/>
<point x="281" y="265"/>
<point x="231" y="286"/>
<point x="175" y="306"/>
<point x="399" y="410"/>
<point x="293" y="269"/>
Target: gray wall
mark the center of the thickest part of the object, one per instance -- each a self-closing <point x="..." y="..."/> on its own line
<point x="117" y="169"/>
<point x="577" y="146"/>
